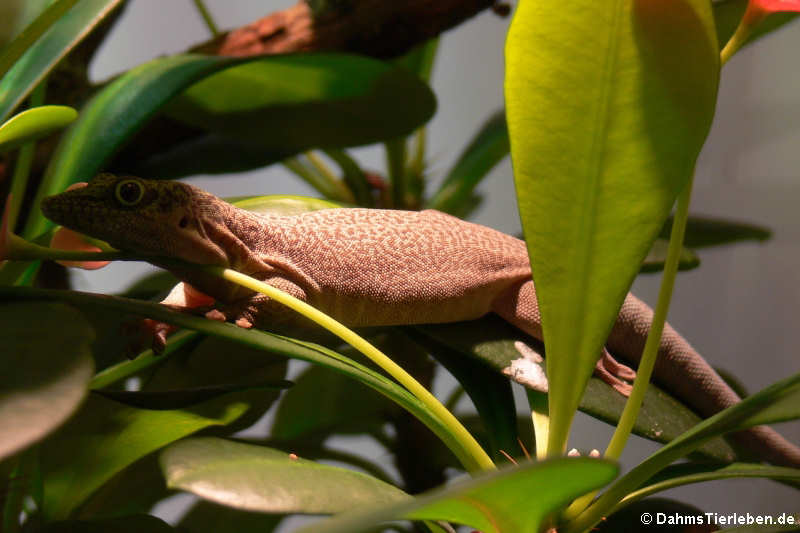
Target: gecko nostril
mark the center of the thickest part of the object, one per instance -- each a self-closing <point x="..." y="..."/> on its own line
<point x="183" y="222"/>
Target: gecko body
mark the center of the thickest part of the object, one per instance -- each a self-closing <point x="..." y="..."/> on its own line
<point x="369" y="267"/>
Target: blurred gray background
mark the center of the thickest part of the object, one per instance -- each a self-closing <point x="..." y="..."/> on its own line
<point x="739" y="308"/>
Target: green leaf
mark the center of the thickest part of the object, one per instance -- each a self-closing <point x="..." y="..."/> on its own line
<point x="263" y="479"/>
<point x="607" y="112"/>
<point x="491" y="340"/>
<point x="282" y="204"/>
<point x="105" y="436"/>
<point x="112" y="116"/>
<point x="45" y="370"/>
<point x="514" y="499"/>
<point x="485" y="150"/>
<point x="122" y="524"/>
<point x="180" y="398"/>
<point x="14" y="50"/>
<point x="322" y="402"/>
<point x="332" y="100"/>
<point x="244" y="367"/>
<point x="40" y="57"/>
<point x="777" y="403"/>
<point x="685" y="474"/>
<point x="702" y="232"/>
<point x="297" y="102"/>
<point x="33" y="124"/>
<point x="489" y="390"/>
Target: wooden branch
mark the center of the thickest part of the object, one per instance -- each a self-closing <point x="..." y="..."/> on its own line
<point x="377" y="28"/>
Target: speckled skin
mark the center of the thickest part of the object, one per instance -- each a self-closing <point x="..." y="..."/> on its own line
<point x="369" y="267"/>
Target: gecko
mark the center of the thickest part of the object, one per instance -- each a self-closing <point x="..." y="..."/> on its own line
<point x="369" y="267"/>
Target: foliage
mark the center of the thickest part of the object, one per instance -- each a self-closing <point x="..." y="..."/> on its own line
<point x="606" y="112"/>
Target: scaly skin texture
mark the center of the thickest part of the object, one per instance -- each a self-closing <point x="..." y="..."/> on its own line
<point x="368" y="267"/>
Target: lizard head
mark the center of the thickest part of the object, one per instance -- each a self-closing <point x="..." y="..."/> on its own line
<point x="163" y="218"/>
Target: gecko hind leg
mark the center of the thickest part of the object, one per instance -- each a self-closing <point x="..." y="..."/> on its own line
<point x="614" y="373"/>
<point x="517" y="305"/>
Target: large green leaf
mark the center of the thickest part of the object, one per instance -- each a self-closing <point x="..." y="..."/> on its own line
<point x="607" y="110"/>
<point x="488" y="389"/>
<point x="322" y="402"/>
<point x="281" y="103"/>
<point x="45" y="370"/>
<point x="293" y="103"/>
<point x="263" y="479"/>
<point x="105" y="436"/>
<point x="515" y="499"/>
<point x="14" y="50"/>
<point x="67" y="30"/>
<point x="33" y="124"/>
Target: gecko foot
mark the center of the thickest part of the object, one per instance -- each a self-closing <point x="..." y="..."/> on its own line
<point x="243" y="323"/>
<point x="613" y="373"/>
<point x="216" y="314"/>
<point x="141" y="333"/>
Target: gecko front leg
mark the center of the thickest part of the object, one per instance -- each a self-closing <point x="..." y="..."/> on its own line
<point x="259" y="309"/>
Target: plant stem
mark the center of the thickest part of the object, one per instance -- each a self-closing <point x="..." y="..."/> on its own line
<point x="461" y="435"/>
<point x="203" y="10"/>
<point x="396" y="164"/>
<point x="648" y="361"/>
<point x="344" y="194"/>
<point x="330" y="189"/>
<point x="751" y="18"/>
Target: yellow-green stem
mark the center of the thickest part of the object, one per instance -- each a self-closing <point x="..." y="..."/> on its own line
<point x="648" y="361"/>
<point x="752" y="17"/>
<point x="212" y="26"/>
<point x="344" y="194"/>
<point x="462" y="436"/>
<point x="22" y="167"/>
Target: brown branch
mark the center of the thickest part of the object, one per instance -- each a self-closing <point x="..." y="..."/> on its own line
<point x="377" y="28"/>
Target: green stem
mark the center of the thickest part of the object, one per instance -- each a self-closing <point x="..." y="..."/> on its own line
<point x="146" y="359"/>
<point x="459" y="432"/>
<point x="396" y="164"/>
<point x="354" y="177"/>
<point x="330" y="189"/>
<point x="650" y="353"/>
<point x="22" y="168"/>
<point x="212" y="27"/>
<point x="751" y="18"/>
<point x="344" y="194"/>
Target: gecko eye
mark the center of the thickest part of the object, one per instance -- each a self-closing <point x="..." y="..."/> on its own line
<point x="129" y="192"/>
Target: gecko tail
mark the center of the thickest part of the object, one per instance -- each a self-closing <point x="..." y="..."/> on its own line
<point x="689" y="377"/>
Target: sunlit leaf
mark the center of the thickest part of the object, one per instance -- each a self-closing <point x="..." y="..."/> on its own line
<point x="263" y="479"/>
<point x="33" y="124"/>
<point x="69" y="27"/>
<point x="607" y="113"/>
<point x="514" y="499"/>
